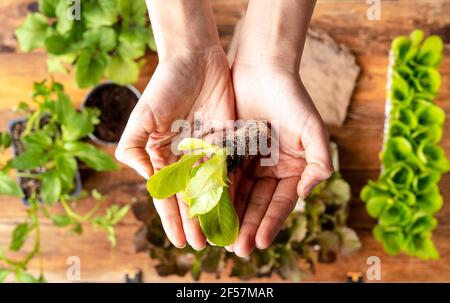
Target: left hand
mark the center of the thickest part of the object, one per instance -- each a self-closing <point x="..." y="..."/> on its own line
<point x="265" y="196"/>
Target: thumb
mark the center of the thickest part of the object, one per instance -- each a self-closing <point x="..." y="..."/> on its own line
<point x="131" y="149"/>
<point x="319" y="166"/>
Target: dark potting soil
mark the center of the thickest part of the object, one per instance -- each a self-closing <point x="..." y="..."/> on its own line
<point x="115" y="103"/>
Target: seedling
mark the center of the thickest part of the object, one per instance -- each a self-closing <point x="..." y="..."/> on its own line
<point x="204" y="186"/>
<point x="50" y="146"/>
<point x="406" y="196"/>
<point x="108" y="39"/>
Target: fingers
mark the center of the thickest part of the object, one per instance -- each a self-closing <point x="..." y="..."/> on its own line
<point x="168" y="208"/>
<point x="171" y="220"/>
<point x="191" y="227"/>
<point x="317" y="154"/>
<point x="283" y="202"/>
<point x="131" y="147"/>
<point x="256" y="208"/>
<point x="241" y="197"/>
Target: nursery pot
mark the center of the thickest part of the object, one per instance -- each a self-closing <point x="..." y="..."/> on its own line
<point x="115" y="103"/>
<point x="15" y="128"/>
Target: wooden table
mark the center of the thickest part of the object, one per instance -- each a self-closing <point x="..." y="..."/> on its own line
<point x="359" y="140"/>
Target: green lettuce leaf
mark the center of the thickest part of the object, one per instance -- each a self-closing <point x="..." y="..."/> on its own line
<point x="221" y="224"/>
<point x="173" y="178"/>
<point x="210" y="175"/>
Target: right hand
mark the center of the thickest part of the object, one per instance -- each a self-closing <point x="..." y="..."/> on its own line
<point x="182" y="84"/>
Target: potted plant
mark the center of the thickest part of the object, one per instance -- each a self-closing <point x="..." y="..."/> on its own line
<point x="48" y="147"/>
<point x="108" y="96"/>
<point x="99" y="38"/>
<point x="406" y="196"/>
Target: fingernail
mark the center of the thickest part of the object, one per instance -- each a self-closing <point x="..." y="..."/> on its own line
<point x="229" y="248"/>
<point x="199" y="249"/>
<point x="180" y="246"/>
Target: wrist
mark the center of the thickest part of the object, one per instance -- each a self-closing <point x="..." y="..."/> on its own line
<point x="274" y="33"/>
<point x="182" y="27"/>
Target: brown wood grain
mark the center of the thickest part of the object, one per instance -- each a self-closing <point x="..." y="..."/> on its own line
<point x="359" y="139"/>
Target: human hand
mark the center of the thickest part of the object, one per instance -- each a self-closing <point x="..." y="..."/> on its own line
<point x="191" y="77"/>
<point x="266" y="195"/>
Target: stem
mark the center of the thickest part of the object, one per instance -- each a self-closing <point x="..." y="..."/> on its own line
<point x="37" y="240"/>
<point x="78" y="217"/>
<point x="29" y="175"/>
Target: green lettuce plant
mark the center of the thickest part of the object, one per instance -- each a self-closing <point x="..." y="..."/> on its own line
<point x="51" y="148"/>
<point x="316" y="232"/>
<point x="406" y="195"/>
<point x="204" y="187"/>
<point x="104" y="38"/>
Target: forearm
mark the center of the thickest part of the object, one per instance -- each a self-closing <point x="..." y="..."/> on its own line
<point x="182" y="26"/>
<point x="274" y="32"/>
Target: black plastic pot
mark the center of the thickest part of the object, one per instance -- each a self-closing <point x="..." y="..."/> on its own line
<point x="16" y="151"/>
<point x="115" y="103"/>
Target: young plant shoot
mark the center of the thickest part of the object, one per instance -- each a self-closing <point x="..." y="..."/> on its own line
<point x="204" y="188"/>
<point x="406" y="196"/>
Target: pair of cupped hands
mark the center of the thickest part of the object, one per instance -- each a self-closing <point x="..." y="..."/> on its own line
<point x="202" y="81"/>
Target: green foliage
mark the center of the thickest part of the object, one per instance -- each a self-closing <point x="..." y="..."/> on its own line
<point x="107" y="40"/>
<point x="315" y="233"/>
<point x="203" y="187"/>
<point x="50" y="146"/>
<point x="406" y="196"/>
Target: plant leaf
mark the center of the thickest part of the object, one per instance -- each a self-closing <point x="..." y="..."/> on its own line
<point x="77" y="125"/>
<point x="205" y="203"/>
<point x="91" y="156"/>
<point x="51" y="187"/>
<point x="19" y="236"/>
<point x="173" y="178"/>
<point x="29" y="159"/>
<point x="221" y="224"/>
<point x="48" y="7"/>
<point x="122" y="71"/>
<point x="210" y="175"/>
<point x="90" y="68"/>
<point x="8" y="186"/>
<point x="31" y="34"/>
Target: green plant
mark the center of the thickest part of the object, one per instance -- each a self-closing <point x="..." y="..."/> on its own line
<point x="315" y="233"/>
<point x="50" y="147"/>
<point x="204" y="188"/>
<point x="406" y="195"/>
<point x="105" y="38"/>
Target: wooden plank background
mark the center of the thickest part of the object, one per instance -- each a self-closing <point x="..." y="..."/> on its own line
<point x="359" y="140"/>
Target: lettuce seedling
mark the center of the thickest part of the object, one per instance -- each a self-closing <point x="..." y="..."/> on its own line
<point x="406" y="196"/>
<point x="204" y="187"/>
<point x="100" y="38"/>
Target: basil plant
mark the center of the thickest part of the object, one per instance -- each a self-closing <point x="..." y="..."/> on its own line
<point x="98" y="37"/>
<point x="406" y="195"/>
<point x="204" y="188"/>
